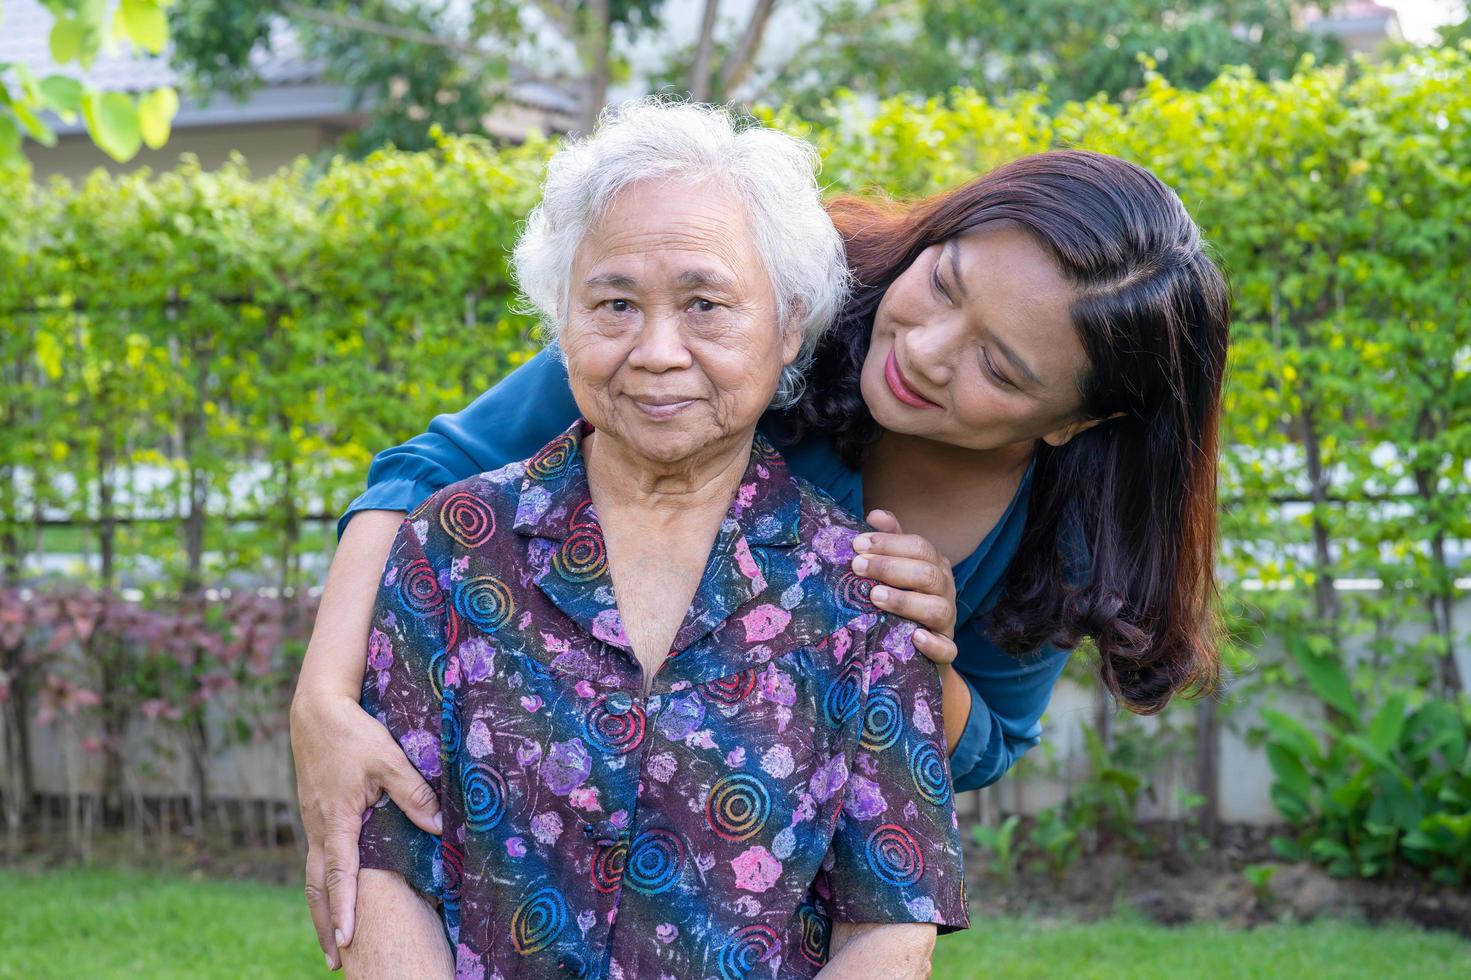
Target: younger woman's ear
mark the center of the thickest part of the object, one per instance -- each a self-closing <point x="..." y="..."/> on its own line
<point x="1060" y="437"/>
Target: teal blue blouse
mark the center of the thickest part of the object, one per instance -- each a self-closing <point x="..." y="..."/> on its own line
<point x="533" y="404"/>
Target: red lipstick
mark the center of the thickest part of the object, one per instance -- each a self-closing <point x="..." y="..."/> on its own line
<point x="900" y="387"/>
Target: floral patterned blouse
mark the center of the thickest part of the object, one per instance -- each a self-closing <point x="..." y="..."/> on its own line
<point x="786" y="768"/>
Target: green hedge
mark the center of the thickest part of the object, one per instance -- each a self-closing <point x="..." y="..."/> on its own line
<point x="284" y="328"/>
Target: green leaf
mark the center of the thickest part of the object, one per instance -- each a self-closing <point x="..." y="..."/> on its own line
<point x="1326" y="676"/>
<point x="156" y="112"/>
<point x="1289" y="770"/>
<point x="66" y="39"/>
<point x="40" y="132"/>
<point x="113" y="123"/>
<point x="1370" y="752"/>
<point x="1286" y="848"/>
<point x="61" y="94"/>
<point x="1293" y="734"/>
<point x="10" y="137"/>
<point x="1389" y="723"/>
<point x="1292" y="807"/>
<point x="145" y="24"/>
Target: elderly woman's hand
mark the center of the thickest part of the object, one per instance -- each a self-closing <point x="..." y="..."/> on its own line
<point x="344" y="759"/>
<point x="916" y="582"/>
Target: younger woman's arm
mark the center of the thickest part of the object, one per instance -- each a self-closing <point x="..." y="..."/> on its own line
<point x="1008" y="696"/>
<point x="527" y="409"/>
<point x="344" y="758"/>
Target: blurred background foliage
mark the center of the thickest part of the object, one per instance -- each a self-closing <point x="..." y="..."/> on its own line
<point x="198" y="367"/>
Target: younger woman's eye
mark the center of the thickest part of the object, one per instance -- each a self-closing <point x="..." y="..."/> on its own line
<point x="996" y="375"/>
<point x="938" y="285"/>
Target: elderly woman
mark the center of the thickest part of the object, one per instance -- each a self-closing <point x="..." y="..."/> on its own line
<point x="669" y="733"/>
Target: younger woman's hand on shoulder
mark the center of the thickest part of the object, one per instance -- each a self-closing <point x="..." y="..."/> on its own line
<point x="915" y="582"/>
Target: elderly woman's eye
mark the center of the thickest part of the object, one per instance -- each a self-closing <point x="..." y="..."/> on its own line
<point x="617" y="305"/>
<point x="704" y="306"/>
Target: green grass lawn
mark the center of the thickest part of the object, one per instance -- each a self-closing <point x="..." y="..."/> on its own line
<point x="97" y="923"/>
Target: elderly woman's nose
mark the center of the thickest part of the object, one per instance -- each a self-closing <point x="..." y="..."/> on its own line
<point x="660" y="345"/>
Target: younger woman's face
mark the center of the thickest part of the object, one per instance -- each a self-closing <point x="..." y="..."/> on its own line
<point x="973" y="346"/>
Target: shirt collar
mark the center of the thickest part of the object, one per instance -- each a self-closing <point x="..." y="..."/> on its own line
<point x="555" y="506"/>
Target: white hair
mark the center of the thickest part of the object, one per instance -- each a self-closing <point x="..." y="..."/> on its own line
<point x="773" y="175"/>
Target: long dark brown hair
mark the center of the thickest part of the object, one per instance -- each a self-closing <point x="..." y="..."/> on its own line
<point x="1119" y="543"/>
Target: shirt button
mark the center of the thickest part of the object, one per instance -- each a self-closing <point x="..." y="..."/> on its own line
<point x="619" y="702"/>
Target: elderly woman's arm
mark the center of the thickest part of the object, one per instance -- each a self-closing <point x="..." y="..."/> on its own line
<point x="896" y="872"/>
<point x="892" y="950"/>
<point x="400" y="932"/>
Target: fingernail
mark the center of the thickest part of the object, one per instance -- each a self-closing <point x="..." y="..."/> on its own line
<point x="328" y="959"/>
<point x="879" y="594"/>
<point x="921" y="635"/>
<point x="860" y="565"/>
<point x="340" y="940"/>
<point x="862" y="543"/>
<point x="439" y="823"/>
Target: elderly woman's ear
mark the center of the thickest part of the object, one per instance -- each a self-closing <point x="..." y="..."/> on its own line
<point x="792" y="336"/>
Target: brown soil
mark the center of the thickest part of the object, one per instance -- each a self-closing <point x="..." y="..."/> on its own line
<point x="1176" y="888"/>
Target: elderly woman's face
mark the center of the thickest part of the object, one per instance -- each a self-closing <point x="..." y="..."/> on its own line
<point x="672" y="339"/>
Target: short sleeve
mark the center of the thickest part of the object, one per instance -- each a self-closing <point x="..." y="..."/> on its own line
<point x="402" y="688"/>
<point x="896" y="854"/>
<point x="508" y="422"/>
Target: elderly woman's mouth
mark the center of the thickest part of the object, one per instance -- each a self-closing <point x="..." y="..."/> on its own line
<point x="662" y="406"/>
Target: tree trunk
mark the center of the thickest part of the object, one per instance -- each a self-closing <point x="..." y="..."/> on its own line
<point x="704" y="48"/>
<point x="594" y="42"/>
<point x="1207" y="766"/>
<point x="740" y="61"/>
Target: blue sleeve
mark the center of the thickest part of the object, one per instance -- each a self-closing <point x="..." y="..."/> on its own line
<point x="529" y="408"/>
<point x="1008" y="696"/>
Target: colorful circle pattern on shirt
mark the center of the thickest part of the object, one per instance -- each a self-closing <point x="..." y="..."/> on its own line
<point x="738" y="807"/>
<point x="583" y="557"/>
<point x="467" y="519"/>
<point x="538" y="921"/>
<point x="883" y="720"/>
<point x="895" y="856"/>
<point x="485" y="601"/>
<point x="655" y="859"/>
<point x="418" y="587"/>
<point x="816" y="931"/>
<point x="927" y="769"/>
<point x="615" y="731"/>
<point x="553" y="460"/>
<point x="485" y="796"/>
<point x="751" y="945"/>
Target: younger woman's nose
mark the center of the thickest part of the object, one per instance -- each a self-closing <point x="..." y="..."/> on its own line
<point x="932" y="349"/>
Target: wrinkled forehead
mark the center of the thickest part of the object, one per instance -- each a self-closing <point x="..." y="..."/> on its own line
<point x="681" y="230"/>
